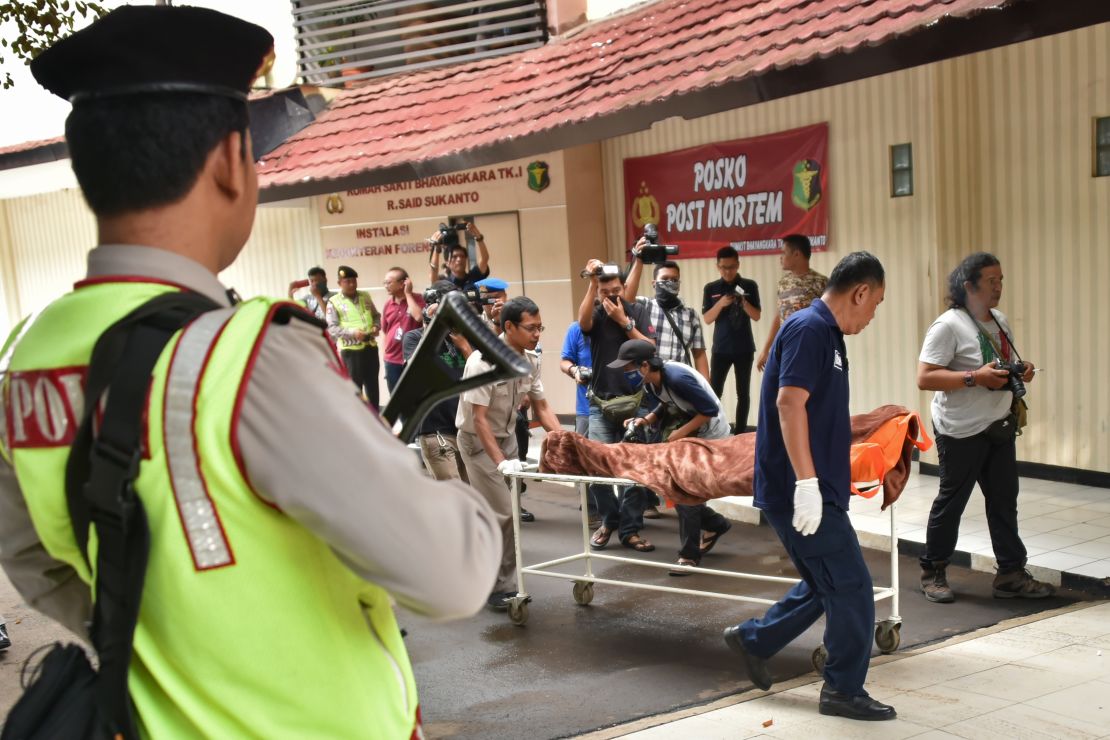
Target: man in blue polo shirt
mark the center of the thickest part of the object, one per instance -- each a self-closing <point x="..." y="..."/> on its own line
<point x="802" y="483"/>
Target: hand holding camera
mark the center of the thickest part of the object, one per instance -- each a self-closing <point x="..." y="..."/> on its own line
<point x="650" y="251"/>
<point x="991" y="377"/>
<point x="1012" y="375"/>
<point x="582" y="375"/>
<point x="596" y="268"/>
<point x="635" y="431"/>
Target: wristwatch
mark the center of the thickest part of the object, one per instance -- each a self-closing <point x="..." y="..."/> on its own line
<point x="969" y="379"/>
<point x="628" y="326"/>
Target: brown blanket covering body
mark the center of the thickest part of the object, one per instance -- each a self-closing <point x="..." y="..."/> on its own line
<point x="691" y="471"/>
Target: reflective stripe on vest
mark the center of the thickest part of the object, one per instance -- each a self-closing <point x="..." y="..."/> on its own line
<point x="198" y="515"/>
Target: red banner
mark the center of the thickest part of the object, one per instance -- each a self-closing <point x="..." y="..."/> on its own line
<point x="748" y="193"/>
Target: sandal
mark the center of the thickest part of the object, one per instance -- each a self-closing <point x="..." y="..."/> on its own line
<point x="707" y="543"/>
<point x="638" y="543"/>
<point x="684" y="561"/>
<point x="600" y="538"/>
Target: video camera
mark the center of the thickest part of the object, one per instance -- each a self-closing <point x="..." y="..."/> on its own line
<point x="654" y="252"/>
<point x="1014" y="383"/>
<point x="603" y="271"/>
<point x="449" y="235"/>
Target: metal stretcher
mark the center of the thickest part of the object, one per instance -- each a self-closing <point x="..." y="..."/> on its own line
<point x="887" y="631"/>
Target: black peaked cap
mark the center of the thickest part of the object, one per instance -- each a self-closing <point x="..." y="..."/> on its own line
<point x="139" y="50"/>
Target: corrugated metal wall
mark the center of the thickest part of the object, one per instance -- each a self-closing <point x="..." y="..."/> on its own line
<point x="864" y="118"/>
<point x="284" y="244"/>
<point x="1019" y="185"/>
<point x="48" y="236"/>
<point x="1002" y="145"/>
<point x="44" y="240"/>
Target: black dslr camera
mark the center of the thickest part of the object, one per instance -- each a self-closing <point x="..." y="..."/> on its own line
<point x="654" y="252"/>
<point x="1014" y="383"/>
<point x="635" y="434"/>
<point x="585" y="374"/>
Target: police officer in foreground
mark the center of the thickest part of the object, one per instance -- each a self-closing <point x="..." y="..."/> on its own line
<point x="281" y="625"/>
<point x="802" y="484"/>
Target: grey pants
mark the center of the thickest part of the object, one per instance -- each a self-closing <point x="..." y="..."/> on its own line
<point x="487" y="481"/>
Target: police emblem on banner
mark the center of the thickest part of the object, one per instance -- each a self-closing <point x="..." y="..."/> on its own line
<point x="334" y="204"/>
<point x="807" y="184"/>
<point x="538" y="179"/>
<point x="645" y="209"/>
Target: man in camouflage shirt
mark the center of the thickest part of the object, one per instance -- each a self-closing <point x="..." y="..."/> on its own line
<point x="797" y="287"/>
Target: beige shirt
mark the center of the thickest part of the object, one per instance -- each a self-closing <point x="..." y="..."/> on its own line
<point x="501" y="398"/>
<point x="356" y="488"/>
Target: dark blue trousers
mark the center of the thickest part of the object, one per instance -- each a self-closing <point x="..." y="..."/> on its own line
<point x="835" y="582"/>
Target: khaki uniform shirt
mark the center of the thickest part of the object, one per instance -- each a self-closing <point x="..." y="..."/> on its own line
<point x="356" y="488"/>
<point x="501" y="399"/>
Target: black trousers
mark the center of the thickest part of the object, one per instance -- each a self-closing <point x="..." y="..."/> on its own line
<point x="719" y="365"/>
<point x="963" y="463"/>
<point x="362" y="366"/>
<point x="691" y="521"/>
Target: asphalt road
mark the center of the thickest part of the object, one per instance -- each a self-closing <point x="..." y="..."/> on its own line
<point x="633" y="653"/>
<point x="629" y="654"/>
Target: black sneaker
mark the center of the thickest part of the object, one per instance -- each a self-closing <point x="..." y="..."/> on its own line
<point x="526" y="516"/>
<point x="934" y="584"/>
<point x="837" y="704"/>
<point x="1020" y="584"/>
<point x="5" y="641"/>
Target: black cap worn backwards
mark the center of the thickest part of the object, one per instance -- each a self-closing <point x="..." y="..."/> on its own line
<point x="139" y="50"/>
<point x="634" y="350"/>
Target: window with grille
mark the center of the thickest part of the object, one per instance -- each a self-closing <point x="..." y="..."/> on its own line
<point x="339" y="41"/>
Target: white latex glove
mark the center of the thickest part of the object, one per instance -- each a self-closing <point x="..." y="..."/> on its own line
<point x="808" y="506"/>
<point x="507" y="466"/>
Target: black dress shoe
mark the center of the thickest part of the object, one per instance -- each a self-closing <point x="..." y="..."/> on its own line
<point x="863" y="707"/>
<point x="756" y="667"/>
<point x="526" y="516"/>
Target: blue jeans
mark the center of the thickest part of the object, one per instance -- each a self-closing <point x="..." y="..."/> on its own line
<point x="626" y="514"/>
<point x="835" y="582"/>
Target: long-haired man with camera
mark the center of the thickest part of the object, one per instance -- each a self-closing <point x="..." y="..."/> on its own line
<point x="969" y="359"/>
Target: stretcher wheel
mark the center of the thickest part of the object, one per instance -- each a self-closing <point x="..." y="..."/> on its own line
<point x="820" y="656"/>
<point x="888" y="636"/>
<point x="518" y="612"/>
<point x="583" y="592"/>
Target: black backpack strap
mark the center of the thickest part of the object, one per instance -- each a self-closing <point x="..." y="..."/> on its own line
<point x="100" y="474"/>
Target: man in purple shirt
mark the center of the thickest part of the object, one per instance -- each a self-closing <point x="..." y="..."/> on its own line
<point x="401" y="314"/>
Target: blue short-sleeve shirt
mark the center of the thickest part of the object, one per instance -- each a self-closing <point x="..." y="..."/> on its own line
<point x="808" y="353"/>
<point x="576" y="348"/>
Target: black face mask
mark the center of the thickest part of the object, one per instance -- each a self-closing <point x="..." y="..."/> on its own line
<point x="666" y="293"/>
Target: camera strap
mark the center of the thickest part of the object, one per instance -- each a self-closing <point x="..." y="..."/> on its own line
<point x="681" y="339"/>
<point x="986" y="334"/>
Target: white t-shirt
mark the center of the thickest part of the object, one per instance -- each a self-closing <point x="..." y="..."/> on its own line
<point x="954" y="342"/>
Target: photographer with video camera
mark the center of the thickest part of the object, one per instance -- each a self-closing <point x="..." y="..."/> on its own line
<point x="457" y="256"/>
<point x="608" y="321"/>
<point x="731" y="304"/>
<point x="675" y="384"/>
<point x="677" y="326"/>
<point x="969" y="359"/>
<point x="439" y="446"/>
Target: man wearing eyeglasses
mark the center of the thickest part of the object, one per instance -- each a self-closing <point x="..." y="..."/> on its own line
<point x="487" y="430"/>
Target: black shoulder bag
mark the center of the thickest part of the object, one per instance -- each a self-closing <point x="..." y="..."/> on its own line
<point x="66" y="697"/>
